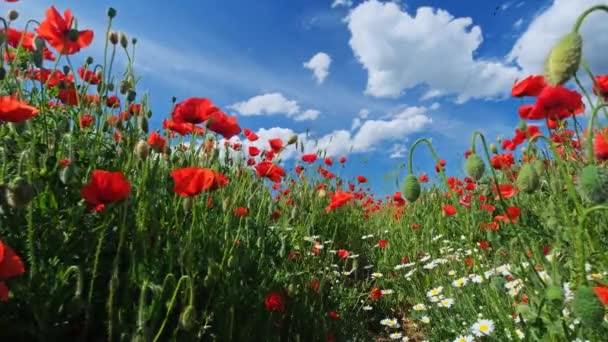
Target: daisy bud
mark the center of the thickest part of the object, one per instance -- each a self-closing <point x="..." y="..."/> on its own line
<point x="593" y="184"/>
<point x="493" y="148"/>
<point x="19" y="193"/>
<point x="564" y="59"/>
<point x="124" y="41"/>
<point x="113" y="38"/>
<point x="141" y="150"/>
<point x="475" y="166"/>
<point x="13" y="15"/>
<point x="527" y="179"/>
<point x="292" y="139"/>
<point x="111" y="12"/>
<point x="411" y="188"/>
<point x="187" y="320"/>
<point x="587" y="307"/>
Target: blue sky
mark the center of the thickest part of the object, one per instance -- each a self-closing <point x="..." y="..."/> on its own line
<point x="399" y="70"/>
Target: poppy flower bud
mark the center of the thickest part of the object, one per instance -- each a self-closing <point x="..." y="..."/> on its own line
<point x="564" y="59"/>
<point x="19" y="193"/>
<point x="13" y="15"/>
<point x="124" y="41"/>
<point x="292" y="139"/>
<point x="141" y="150"/>
<point x="411" y="188"/>
<point x="124" y="87"/>
<point x="66" y="70"/>
<point x="527" y="179"/>
<point x="475" y="166"/>
<point x="2" y="73"/>
<point x="110" y="86"/>
<point x="593" y="184"/>
<point x="134" y="41"/>
<point x="67" y="173"/>
<point x="131" y="94"/>
<point x="539" y="167"/>
<point x="142" y="123"/>
<point x="111" y="12"/>
<point x="522" y="125"/>
<point x="554" y="294"/>
<point x="187" y="320"/>
<point x="587" y="307"/>
<point x="113" y="38"/>
<point x="188" y="203"/>
<point x="493" y="148"/>
<point x="321" y="193"/>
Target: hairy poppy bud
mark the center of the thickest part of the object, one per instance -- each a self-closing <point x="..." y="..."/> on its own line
<point x="67" y="173"/>
<point x="475" y="166"/>
<point x="539" y="167"/>
<point x="124" y="87"/>
<point x="13" y="15"/>
<point x="131" y="94"/>
<point x="564" y="59"/>
<point x="142" y="150"/>
<point x="89" y="60"/>
<point x="411" y="188"/>
<point x="124" y="41"/>
<point x="593" y="184"/>
<point x="133" y="40"/>
<point x="493" y="148"/>
<point x="20" y="193"/>
<point x="187" y="320"/>
<point x="587" y="307"/>
<point x="292" y="139"/>
<point x="2" y="73"/>
<point x="113" y="38"/>
<point x="523" y="126"/>
<point x="110" y="86"/>
<point x="111" y="12"/>
<point x="527" y="179"/>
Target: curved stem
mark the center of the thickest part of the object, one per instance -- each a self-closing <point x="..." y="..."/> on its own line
<point x="487" y="152"/>
<point x="76" y="270"/>
<point x="581" y="18"/>
<point x="430" y="146"/>
<point x="171" y="304"/>
<point x="580" y="246"/>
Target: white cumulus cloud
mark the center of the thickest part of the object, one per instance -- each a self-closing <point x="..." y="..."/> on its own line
<point x="274" y="103"/>
<point x="319" y="64"/>
<point x="345" y="3"/>
<point x="400" y="51"/>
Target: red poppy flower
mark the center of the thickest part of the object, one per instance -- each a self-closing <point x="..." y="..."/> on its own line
<point x="502" y="161"/>
<point x="88" y="76"/>
<point x="338" y="199"/>
<point x="601" y="87"/>
<point x="483" y="244"/>
<point x="342" y="160"/>
<point x="382" y="243"/>
<point x="334" y="315"/>
<point x="600" y="144"/>
<point x="68" y="96"/>
<point x="86" y="121"/>
<point x="270" y="171"/>
<point x="328" y="161"/>
<point x="343" y="253"/>
<point x="13" y="110"/>
<point x="157" y="142"/>
<point x="376" y="293"/>
<point x="222" y="124"/>
<point x="113" y="102"/>
<point x="11" y="266"/>
<point x="253" y="151"/>
<point x="529" y="86"/>
<point x="241" y="211"/>
<point x="15" y="37"/>
<point x="58" y="32"/>
<point x="506" y="190"/>
<point x="193" y="110"/>
<point x="274" y="302"/>
<point x="557" y="103"/>
<point x="602" y="293"/>
<point x="252" y="137"/>
<point x="105" y="187"/>
<point x="423" y="178"/>
<point x="439" y="167"/>
<point x="361" y="179"/>
<point x="191" y="181"/>
<point x="309" y="158"/>
<point x="276" y="144"/>
<point x="449" y="210"/>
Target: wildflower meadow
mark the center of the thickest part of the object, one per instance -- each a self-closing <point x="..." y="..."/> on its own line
<point x="114" y="230"/>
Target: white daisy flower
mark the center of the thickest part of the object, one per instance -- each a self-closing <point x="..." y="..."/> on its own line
<point x="435" y="292"/>
<point x="395" y="336"/>
<point x="377" y="275"/>
<point x="446" y="303"/>
<point x="460" y="282"/>
<point x="425" y="319"/>
<point x="464" y="338"/>
<point x="387" y="292"/>
<point x="477" y="279"/>
<point x="520" y="334"/>
<point x="425" y="258"/>
<point x="482" y="327"/>
<point x="568" y="294"/>
<point x="419" y="307"/>
<point x="410" y="273"/>
<point x="452" y="273"/>
<point x="435" y="299"/>
<point x="390" y="322"/>
<point x="367" y="308"/>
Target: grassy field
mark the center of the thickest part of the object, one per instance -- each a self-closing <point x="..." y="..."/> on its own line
<point x="110" y="230"/>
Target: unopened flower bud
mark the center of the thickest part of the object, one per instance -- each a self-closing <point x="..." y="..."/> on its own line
<point x="111" y="12"/>
<point x="141" y="150"/>
<point x="142" y="123"/>
<point x="20" y="193"/>
<point x="2" y="73"/>
<point x="527" y="179"/>
<point x="134" y="41"/>
<point x="493" y="148"/>
<point x="475" y="166"/>
<point x="131" y="94"/>
<point x="113" y="38"/>
<point x="187" y="320"/>
<point x="124" y="87"/>
<point x="411" y="188"/>
<point x="13" y="15"/>
<point x="124" y="41"/>
<point x="89" y="60"/>
<point x="592" y="184"/>
<point x="292" y="139"/>
<point x="110" y="86"/>
<point x="587" y="307"/>
<point x="563" y="61"/>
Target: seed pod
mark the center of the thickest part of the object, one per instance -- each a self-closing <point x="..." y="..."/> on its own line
<point x="113" y="38"/>
<point x="131" y="94"/>
<point x="593" y="184"/>
<point x="493" y="148"/>
<point x="321" y="193"/>
<point x="292" y="139"/>
<point x="587" y="307"/>
<point x="187" y="320"/>
<point x="564" y="59"/>
<point x="124" y="87"/>
<point x="527" y="179"/>
<point x="111" y="12"/>
<point x="19" y="193"/>
<point x="13" y="15"/>
<point x="124" y="41"/>
<point x="475" y="166"/>
<point x="411" y="188"/>
<point x="142" y="150"/>
<point x="142" y="124"/>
